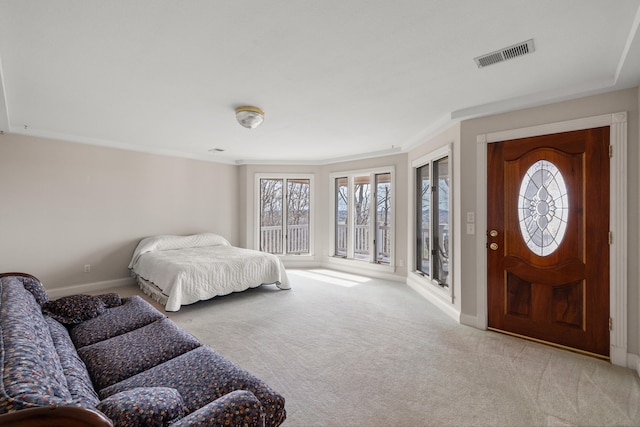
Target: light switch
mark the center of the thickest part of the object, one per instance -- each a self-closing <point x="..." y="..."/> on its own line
<point x="471" y="217"/>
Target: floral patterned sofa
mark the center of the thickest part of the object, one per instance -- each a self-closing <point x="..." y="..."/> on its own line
<point x="103" y="361"/>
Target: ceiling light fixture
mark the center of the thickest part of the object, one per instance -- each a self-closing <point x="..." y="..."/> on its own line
<point x="249" y="117"/>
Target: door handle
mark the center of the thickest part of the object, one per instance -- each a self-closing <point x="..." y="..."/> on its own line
<point x="493" y="233"/>
<point x="493" y="246"/>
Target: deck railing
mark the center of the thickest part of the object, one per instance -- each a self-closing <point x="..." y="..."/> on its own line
<point x="361" y="241"/>
<point x="297" y="241"/>
<point x="271" y="239"/>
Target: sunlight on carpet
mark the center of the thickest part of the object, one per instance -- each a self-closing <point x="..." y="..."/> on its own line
<point x="332" y="277"/>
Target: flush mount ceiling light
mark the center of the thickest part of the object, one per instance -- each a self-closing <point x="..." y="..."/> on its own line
<point x="249" y="117"/>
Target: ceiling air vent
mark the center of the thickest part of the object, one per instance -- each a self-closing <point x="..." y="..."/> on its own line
<point x="506" y="53"/>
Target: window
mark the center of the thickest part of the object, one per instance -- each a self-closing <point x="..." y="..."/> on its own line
<point x="383" y="218"/>
<point x="363" y="216"/>
<point x="433" y="217"/>
<point x="284" y="215"/>
<point x="341" y="215"/>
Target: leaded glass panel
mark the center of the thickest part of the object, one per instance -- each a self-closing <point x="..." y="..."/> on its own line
<point x="543" y="208"/>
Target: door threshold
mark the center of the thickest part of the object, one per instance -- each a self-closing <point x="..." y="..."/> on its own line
<point x="552" y="344"/>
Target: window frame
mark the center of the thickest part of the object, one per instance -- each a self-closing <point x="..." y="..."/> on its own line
<point x="371" y="262"/>
<point x="257" y="211"/>
<point x="428" y="160"/>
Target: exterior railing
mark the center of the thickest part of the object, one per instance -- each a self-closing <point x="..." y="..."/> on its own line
<point x="361" y="241"/>
<point x="442" y="254"/>
<point x="297" y="241"/>
<point x="271" y="239"/>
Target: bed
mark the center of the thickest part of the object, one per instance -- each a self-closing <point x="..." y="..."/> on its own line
<point x="181" y="270"/>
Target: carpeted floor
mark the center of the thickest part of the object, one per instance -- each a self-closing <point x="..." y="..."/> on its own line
<point x="346" y="350"/>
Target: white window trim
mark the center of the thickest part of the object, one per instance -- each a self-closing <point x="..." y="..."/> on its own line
<point x="367" y="265"/>
<point x="432" y="286"/>
<point x="256" y="203"/>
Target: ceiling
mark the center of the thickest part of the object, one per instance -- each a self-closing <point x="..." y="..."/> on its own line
<point x="337" y="79"/>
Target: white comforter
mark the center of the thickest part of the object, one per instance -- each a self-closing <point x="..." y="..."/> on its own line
<point x="192" y="268"/>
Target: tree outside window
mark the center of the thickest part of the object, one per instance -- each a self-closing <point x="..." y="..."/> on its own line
<point x="285" y="201"/>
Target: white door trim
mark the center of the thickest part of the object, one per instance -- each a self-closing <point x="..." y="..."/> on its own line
<point x="618" y="218"/>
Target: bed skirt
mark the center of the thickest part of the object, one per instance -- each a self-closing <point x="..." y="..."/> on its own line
<point x="152" y="290"/>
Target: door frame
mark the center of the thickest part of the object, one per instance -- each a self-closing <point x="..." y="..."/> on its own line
<point x="618" y="218"/>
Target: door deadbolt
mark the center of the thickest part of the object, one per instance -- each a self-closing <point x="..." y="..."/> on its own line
<point x="493" y="246"/>
<point x="493" y="233"/>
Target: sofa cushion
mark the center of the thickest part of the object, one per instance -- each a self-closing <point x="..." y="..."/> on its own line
<point x="74" y="309"/>
<point x="111" y="299"/>
<point x="30" y="371"/>
<point x="144" y="406"/>
<point x="202" y="376"/>
<point x="134" y="313"/>
<point x="78" y="380"/>
<point x="121" y="357"/>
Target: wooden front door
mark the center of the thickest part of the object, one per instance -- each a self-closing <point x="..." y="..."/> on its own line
<point x="548" y="238"/>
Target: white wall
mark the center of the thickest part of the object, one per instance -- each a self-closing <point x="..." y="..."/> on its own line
<point x="64" y="205"/>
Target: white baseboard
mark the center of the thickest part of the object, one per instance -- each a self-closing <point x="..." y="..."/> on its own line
<point x="301" y="263"/>
<point x="633" y="362"/>
<point x="377" y="271"/>
<point x="90" y="287"/>
<point x="469" y="320"/>
<point x="619" y="356"/>
<point x="436" y="300"/>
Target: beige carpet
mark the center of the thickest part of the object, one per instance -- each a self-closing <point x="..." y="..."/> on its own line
<point x="346" y="350"/>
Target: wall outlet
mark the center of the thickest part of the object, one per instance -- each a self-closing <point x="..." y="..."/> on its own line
<point x="87" y="268"/>
<point x="471" y="229"/>
<point x="401" y="263"/>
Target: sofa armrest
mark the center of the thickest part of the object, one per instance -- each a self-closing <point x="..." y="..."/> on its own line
<point x="55" y="416"/>
<point x="238" y="408"/>
<point x="144" y="406"/>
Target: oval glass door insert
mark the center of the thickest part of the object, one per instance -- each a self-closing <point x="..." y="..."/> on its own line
<point x="543" y="207"/>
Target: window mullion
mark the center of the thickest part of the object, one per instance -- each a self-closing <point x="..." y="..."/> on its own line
<point x="285" y="214"/>
<point x="351" y="218"/>
<point x="433" y="209"/>
<point x="373" y="220"/>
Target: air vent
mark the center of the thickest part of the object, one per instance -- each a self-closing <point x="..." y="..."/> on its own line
<point x="506" y="53"/>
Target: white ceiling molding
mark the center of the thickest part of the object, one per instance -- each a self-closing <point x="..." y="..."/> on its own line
<point x="535" y="99"/>
<point x="321" y="162"/>
<point x="207" y="157"/>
